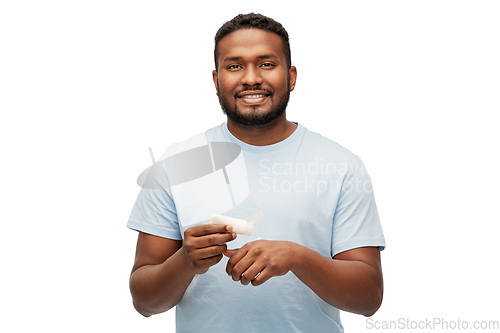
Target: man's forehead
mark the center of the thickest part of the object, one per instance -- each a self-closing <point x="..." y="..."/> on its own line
<point x="250" y="34"/>
<point x="250" y="42"/>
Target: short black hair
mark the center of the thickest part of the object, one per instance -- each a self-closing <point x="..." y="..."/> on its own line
<point x="252" y="20"/>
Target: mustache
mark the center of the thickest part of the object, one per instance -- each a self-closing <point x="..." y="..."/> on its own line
<point x="251" y="89"/>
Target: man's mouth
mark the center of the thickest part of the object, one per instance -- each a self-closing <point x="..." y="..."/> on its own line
<point x="252" y="98"/>
<point x="255" y="96"/>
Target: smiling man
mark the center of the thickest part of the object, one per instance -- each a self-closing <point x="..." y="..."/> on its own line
<point x="317" y="249"/>
<point x="254" y="78"/>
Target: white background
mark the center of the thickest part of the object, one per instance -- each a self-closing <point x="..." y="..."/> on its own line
<point x="86" y="86"/>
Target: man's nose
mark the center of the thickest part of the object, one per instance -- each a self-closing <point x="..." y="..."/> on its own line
<point x="251" y="76"/>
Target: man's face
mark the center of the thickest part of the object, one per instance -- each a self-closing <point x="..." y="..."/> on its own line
<point x="252" y="81"/>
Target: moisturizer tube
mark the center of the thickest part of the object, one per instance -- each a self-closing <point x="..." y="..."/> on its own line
<point x="239" y="226"/>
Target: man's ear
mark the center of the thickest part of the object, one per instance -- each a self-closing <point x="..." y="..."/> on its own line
<point x="214" y="77"/>
<point x="292" y="74"/>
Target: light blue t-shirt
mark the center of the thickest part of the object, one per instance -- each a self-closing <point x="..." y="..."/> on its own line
<point x="311" y="191"/>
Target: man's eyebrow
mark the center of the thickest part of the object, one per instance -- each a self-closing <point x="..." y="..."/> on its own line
<point x="232" y="58"/>
<point x="267" y="56"/>
<point x="264" y="56"/>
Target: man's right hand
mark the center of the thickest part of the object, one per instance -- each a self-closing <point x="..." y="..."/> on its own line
<point x="203" y="246"/>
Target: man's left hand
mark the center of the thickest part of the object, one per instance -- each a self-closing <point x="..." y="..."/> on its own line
<point x="258" y="261"/>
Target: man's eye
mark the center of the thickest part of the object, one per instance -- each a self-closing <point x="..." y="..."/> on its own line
<point x="267" y="64"/>
<point x="234" y="67"/>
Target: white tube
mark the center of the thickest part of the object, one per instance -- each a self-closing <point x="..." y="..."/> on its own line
<point x="239" y="226"/>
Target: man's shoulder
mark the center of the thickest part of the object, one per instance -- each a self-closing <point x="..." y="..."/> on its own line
<point x="319" y="143"/>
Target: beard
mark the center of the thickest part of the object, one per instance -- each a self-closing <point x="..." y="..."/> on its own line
<point x="255" y="118"/>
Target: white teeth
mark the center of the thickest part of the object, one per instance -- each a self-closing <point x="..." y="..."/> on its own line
<point x="253" y="96"/>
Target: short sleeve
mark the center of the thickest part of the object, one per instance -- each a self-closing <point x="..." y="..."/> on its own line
<point x="154" y="213"/>
<point x="356" y="222"/>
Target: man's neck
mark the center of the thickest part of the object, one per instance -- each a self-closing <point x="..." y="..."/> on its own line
<point x="264" y="135"/>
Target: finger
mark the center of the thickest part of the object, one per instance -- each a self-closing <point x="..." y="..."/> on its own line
<point x="246" y="265"/>
<point x="209" y="252"/>
<point x="264" y="275"/>
<point x="208" y="229"/>
<point x="209" y="262"/>
<point x="212" y="239"/>
<point x="235" y="258"/>
<point x="229" y="253"/>
<point x="251" y="273"/>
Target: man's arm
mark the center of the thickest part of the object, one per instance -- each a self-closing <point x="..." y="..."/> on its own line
<point x="351" y="281"/>
<point x="164" y="268"/>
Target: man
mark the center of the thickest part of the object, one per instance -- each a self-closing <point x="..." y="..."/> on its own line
<point x="317" y="248"/>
